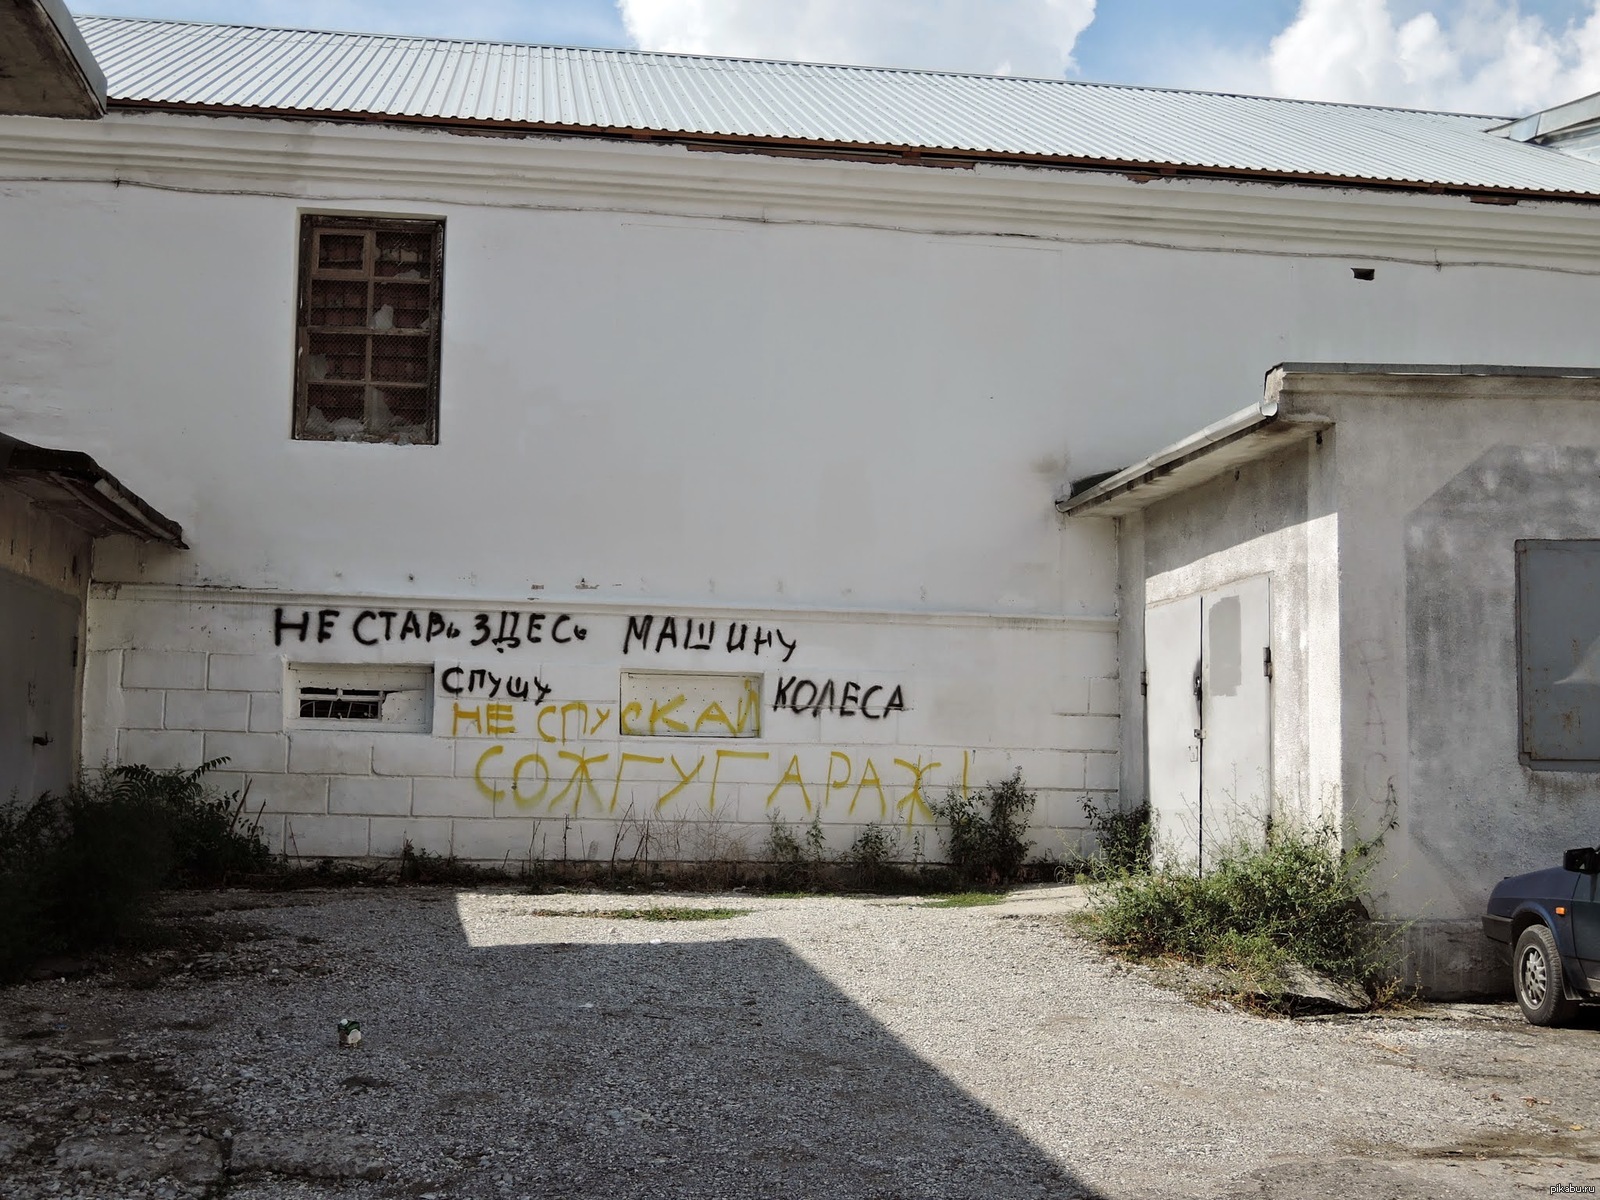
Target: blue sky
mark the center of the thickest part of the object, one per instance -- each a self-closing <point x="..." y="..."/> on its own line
<point x="1502" y="56"/>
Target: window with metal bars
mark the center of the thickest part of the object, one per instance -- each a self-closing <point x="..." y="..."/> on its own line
<point x="367" y="353"/>
<point x="355" y="695"/>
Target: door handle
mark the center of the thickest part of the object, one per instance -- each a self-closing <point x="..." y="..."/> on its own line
<point x="41" y="739"/>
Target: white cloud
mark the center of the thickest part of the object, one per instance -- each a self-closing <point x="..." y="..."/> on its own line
<point x="1022" y="37"/>
<point x="1488" y="58"/>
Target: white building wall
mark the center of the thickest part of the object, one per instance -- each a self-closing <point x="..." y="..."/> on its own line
<point x="725" y="386"/>
<point x="937" y="701"/>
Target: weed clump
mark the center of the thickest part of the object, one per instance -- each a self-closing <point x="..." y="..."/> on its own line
<point x="871" y="858"/>
<point x="425" y="868"/>
<point x="1293" y="898"/>
<point x="79" y="870"/>
<point x="796" y="862"/>
<point x="1123" y="838"/>
<point x="985" y="833"/>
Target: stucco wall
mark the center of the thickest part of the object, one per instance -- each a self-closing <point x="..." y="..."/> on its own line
<point x="804" y="383"/>
<point x="1439" y="477"/>
<point x="723" y="386"/>
<point x="1392" y="552"/>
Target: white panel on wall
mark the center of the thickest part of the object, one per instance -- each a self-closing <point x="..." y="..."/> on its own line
<point x="690" y="704"/>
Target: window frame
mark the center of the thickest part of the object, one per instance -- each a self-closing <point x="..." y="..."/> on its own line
<point x="385" y="679"/>
<point x="313" y="226"/>
<point x="1527" y="748"/>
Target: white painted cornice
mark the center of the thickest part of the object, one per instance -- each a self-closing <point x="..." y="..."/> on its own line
<point x="352" y="163"/>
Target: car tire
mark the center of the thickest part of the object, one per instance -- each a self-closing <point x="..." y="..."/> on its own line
<point x="1538" y="979"/>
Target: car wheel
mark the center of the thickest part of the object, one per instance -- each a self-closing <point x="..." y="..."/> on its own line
<point x="1538" y="980"/>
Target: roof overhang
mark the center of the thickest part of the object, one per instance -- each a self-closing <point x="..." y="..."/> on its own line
<point x="76" y="488"/>
<point x="46" y="69"/>
<point x="1267" y="427"/>
<point x="1247" y="435"/>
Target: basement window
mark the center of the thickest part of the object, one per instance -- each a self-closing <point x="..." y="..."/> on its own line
<point x="367" y="343"/>
<point x="360" y="696"/>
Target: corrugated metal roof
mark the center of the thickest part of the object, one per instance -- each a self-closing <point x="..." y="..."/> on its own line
<point x="187" y="64"/>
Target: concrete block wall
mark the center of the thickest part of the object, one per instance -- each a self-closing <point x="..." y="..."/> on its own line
<point x="523" y="753"/>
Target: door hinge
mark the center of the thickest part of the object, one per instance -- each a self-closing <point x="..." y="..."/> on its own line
<point x="1266" y="661"/>
<point x="1144" y="683"/>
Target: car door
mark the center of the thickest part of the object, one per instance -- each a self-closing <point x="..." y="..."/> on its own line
<point x="1585" y="917"/>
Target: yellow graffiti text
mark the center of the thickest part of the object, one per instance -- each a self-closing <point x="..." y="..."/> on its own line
<point x="581" y="778"/>
<point x="870" y="778"/>
<point x="622" y="765"/>
<point x="516" y="780"/>
<point x="914" y="802"/>
<point x="495" y="794"/>
<point x="684" y="779"/>
<point x="473" y="715"/>
<point x="791" y="774"/>
<point x="716" y="772"/>
<point x="497" y="720"/>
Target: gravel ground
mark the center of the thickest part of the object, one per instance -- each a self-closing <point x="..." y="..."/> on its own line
<point x="811" y="1047"/>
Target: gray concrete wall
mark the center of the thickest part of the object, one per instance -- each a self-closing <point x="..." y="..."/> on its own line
<point x="1438" y="478"/>
<point x="1390" y="543"/>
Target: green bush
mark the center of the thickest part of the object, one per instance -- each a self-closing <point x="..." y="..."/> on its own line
<point x="1296" y="896"/>
<point x="797" y="862"/>
<point x="79" y="870"/>
<point x="871" y="857"/>
<point x="1124" y="839"/>
<point x="984" y="834"/>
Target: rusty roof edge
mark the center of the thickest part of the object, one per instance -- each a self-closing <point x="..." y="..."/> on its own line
<point x="919" y="154"/>
<point x="90" y="485"/>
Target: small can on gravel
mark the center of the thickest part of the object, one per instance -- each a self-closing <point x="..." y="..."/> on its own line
<point x="349" y="1032"/>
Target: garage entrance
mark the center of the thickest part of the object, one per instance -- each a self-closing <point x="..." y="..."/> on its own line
<point x="1208" y="718"/>
<point x="39" y="651"/>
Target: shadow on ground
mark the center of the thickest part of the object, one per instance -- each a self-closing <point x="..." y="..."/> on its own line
<point x="726" y="1068"/>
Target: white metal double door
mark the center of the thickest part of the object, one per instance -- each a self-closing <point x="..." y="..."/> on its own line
<point x="1208" y="719"/>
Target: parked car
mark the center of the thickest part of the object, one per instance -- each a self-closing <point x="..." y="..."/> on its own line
<point x="1551" y="918"/>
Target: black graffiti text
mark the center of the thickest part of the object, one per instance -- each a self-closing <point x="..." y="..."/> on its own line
<point x="647" y="633"/>
<point x="476" y="681"/>
<point x="508" y="630"/>
<point x="848" y="699"/>
<point x="374" y="626"/>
